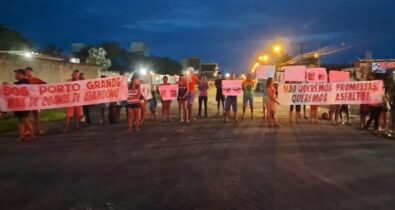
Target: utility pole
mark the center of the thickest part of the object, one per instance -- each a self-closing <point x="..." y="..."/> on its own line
<point x="301" y="47"/>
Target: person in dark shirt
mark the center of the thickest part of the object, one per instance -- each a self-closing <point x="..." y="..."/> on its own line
<point x="86" y="109"/>
<point x="220" y="98"/>
<point x="25" y="127"/>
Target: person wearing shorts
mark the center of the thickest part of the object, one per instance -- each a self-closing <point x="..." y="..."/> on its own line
<point x="74" y="111"/>
<point x="153" y="105"/>
<point x="219" y="97"/>
<point x="36" y="113"/>
<point x="248" y="87"/>
<point x="183" y="93"/>
<point x="231" y="102"/>
<point x="134" y="105"/>
<point x="192" y="93"/>
<point x="166" y="103"/>
<point x="25" y="127"/>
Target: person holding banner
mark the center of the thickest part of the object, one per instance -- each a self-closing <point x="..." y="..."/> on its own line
<point x="36" y="113"/>
<point x="183" y="91"/>
<point x="248" y="86"/>
<point x="271" y="104"/>
<point x="134" y="105"/>
<point x="166" y="103"/>
<point x="25" y="127"/>
<point x="231" y="102"/>
<point x="375" y="112"/>
<point x="74" y="111"/>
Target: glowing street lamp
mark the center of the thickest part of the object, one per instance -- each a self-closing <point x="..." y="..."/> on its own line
<point x="277" y="48"/>
<point x="143" y="71"/>
<point x="227" y="75"/>
<point x="27" y="54"/>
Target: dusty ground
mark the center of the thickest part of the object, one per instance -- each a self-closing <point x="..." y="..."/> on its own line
<point x="204" y="165"/>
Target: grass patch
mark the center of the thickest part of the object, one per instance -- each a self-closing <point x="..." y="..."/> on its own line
<point x="9" y="123"/>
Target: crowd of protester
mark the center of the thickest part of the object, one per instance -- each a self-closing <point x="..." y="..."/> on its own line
<point x="194" y="86"/>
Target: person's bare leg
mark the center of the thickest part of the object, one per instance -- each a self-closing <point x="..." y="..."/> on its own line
<point x="130" y="120"/>
<point x="137" y="112"/>
<point x="235" y="116"/>
<point x="21" y="130"/>
<point x="29" y="127"/>
<point x="190" y="112"/>
<point x="252" y="111"/>
<point x="66" y="124"/>
<point x="291" y="114"/>
<point x="264" y="111"/>
<point x="186" y="113"/>
<point x="244" y="110"/>
<point x="36" y="116"/>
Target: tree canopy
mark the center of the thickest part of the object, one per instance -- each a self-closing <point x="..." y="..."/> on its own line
<point x="13" y="40"/>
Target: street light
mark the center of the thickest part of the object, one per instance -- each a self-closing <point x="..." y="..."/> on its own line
<point x="143" y="71"/>
<point x="227" y="75"/>
<point x="277" y="48"/>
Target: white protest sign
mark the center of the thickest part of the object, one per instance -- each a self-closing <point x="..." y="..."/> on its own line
<point x="265" y="72"/>
<point x="146" y="91"/>
<point x="168" y="92"/>
<point x="316" y="75"/>
<point x="366" y="92"/>
<point x="294" y="73"/>
<point x="232" y="87"/>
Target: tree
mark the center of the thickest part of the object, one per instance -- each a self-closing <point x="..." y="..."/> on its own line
<point x="13" y="40"/>
<point x="98" y="56"/>
<point x="117" y="55"/>
<point x="52" y="50"/>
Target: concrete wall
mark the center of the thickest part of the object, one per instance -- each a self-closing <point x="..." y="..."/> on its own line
<point x="51" y="71"/>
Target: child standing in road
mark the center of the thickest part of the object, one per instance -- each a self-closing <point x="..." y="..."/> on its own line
<point x="134" y="107"/>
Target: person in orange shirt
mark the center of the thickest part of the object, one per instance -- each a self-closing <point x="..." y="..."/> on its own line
<point x="74" y="111"/>
<point x="192" y="93"/>
<point x="36" y="113"/>
<point x="248" y="96"/>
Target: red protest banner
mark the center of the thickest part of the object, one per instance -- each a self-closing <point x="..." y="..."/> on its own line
<point x="60" y="95"/>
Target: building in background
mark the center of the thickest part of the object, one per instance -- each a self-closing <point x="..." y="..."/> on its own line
<point x="210" y="70"/>
<point x="140" y="48"/>
<point x="77" y="47"/>
<point x="190" y="62"/>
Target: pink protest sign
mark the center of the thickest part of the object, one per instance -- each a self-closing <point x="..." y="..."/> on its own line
<point x="168" y="92"/>
<point x="231" y="87"/>
<point x="316" y="75"/>
<point x="265" y="72"/>
<point x="339" y="76"/>
<point x="294" y="73"/>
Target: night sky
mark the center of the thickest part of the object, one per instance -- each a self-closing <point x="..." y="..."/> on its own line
<point x="230" y="32"/>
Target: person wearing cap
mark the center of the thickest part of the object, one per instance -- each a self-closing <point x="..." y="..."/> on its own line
<point x="25" y="127"/>
<point x="74" y="111"/>
<point x="36" y="113"/>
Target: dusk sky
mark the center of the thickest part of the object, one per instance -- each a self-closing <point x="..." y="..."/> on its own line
<point x="231" y="32"/>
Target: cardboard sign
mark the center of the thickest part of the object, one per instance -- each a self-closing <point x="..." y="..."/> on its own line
<point x="316" y="75"/>
<point x="366" y="92"/>
<point x="168" y="92"/>
<point x="339" y="76"/>
<point x="60" y="95"/>
<point x="232" y="87"/>
<point x="146" y="91"/>
<point x="265" y="72"/>
<point x="295" y="73"/>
